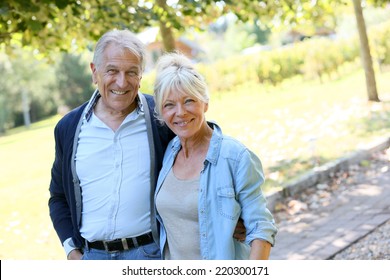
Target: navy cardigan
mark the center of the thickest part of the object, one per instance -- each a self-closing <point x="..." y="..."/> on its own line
<point x="63" y="197"/>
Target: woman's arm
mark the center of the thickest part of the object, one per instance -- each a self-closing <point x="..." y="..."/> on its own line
<point x="258" y="219"/>
<point x="260" y="250"/>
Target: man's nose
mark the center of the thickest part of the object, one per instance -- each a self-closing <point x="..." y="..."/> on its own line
<point x="121" y="80"/>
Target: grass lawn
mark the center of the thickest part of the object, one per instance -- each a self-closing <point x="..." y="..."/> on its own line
<point x="302" y="124"/>
<point x="25" y="161"/>
<point x="291" y="128"/>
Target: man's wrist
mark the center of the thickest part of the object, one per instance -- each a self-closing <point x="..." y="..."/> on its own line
<point x="69" y="246"/>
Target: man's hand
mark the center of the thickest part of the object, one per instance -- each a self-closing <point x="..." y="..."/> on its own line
<point x="75" y="255"/>
<point x="240" y="231"/>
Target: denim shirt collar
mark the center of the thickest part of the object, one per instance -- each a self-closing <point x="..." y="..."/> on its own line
<point x="94" y="99"/>
<point x="215" y="144"/>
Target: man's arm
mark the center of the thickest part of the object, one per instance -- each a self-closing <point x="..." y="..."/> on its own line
<point x="59" y="208"/>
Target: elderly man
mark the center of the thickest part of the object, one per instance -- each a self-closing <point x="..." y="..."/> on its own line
<point x="108" y="154"/>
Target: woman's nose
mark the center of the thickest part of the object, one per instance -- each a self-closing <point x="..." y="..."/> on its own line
<point x="181" y="110"/>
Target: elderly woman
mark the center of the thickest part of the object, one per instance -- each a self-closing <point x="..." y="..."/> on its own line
<point x="208" y="180"/>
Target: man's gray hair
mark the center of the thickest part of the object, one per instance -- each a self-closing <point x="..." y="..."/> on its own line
<point x="122" y="38"/>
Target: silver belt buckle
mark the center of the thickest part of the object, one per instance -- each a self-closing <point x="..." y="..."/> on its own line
<point x="106" y="246"/>
<point x="124" y="244"/>
<point x="107" y="249"/>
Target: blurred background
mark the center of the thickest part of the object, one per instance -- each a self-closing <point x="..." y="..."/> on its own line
<point x="301" y="83"/>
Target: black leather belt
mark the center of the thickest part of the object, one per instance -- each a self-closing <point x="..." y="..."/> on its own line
<point x="122" y="244"/>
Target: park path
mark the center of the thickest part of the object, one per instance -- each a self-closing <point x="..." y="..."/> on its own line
<point x="325" y="219"/>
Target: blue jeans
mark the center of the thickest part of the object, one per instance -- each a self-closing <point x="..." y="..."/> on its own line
<point x="146" y="252"/>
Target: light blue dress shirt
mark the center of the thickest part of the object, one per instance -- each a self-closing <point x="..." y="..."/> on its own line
<point x="113" y="167"/>
<point x="229" y="189"/>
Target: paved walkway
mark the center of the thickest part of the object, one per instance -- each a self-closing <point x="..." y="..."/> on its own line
<point x="349" y="216"/>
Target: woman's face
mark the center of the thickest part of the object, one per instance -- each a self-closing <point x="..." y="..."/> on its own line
<point x="184" y="114"/>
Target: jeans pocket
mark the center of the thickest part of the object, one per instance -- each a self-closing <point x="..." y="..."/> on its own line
<point x="151" y="251"/>
<point x="228" y="206"/>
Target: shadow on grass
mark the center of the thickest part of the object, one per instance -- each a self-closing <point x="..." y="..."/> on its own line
<point x="17" y="134"/>
<point x="287" y="170"/>
<point x="377" y="121"/>
<point x="284" y="171"/>
<point x="50" y="122"/>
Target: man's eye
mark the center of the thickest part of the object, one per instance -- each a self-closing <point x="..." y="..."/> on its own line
<point x="132" y="73"/>
<point x="168" y="105"/>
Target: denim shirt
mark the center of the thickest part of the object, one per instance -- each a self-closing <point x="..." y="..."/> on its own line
<point x="229" y="189"/>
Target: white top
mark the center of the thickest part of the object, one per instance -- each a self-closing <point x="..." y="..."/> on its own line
<point x="113" y="168"/>
<point x="177" y="204"/>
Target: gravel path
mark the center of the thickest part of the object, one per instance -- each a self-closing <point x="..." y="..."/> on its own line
<point x="373" y="246"/>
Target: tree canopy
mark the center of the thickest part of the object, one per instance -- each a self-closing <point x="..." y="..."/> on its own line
<point x="59" y="25"/>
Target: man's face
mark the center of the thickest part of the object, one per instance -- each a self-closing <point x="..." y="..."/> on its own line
<point x="118" y="79"/>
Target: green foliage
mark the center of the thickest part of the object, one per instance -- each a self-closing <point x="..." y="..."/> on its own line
<point x="260" y="31"/>
<point x="74" y="80"/>
<point x="46" y="86"/>
<point x="276" y="66"/>
<point x="57" y="25"/>
<point x="147" y="82"/>
<point x="379" y="3"/>
<point x="228" y="39"/>
<point x="381" y="44"/>
<point x="313" y="58"/>
<point x="25" y="75"/>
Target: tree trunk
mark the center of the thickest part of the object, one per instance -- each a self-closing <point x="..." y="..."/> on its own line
<point x="26" y="108"/>
<point x="365" y="53"/>
<point x="165" y="30"/>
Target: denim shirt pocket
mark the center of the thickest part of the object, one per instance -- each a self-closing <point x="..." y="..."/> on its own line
<point x="228" y="206"/>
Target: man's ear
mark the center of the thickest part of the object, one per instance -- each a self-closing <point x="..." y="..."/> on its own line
<point x="93" y="70"/>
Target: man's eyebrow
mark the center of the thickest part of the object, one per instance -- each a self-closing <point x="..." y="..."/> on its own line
<point x="136" y="67"/>
<point x="111" y="66"/>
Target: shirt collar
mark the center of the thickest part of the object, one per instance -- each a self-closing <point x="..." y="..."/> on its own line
<point x="94" y="99"/>
<point x="215" y="143"/>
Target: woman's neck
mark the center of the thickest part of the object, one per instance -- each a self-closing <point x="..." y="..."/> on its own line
<point x="199" y="143"/>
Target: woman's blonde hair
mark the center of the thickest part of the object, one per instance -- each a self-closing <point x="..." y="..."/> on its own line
<point x="176" y="73"/>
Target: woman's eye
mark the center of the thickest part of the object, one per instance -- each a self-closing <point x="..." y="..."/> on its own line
<point x="189" y="100"/>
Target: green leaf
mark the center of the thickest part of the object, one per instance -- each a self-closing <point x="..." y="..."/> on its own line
<point x="62" y="4"/>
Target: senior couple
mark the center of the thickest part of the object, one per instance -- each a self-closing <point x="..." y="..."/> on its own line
<point x="140" y="177"/>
